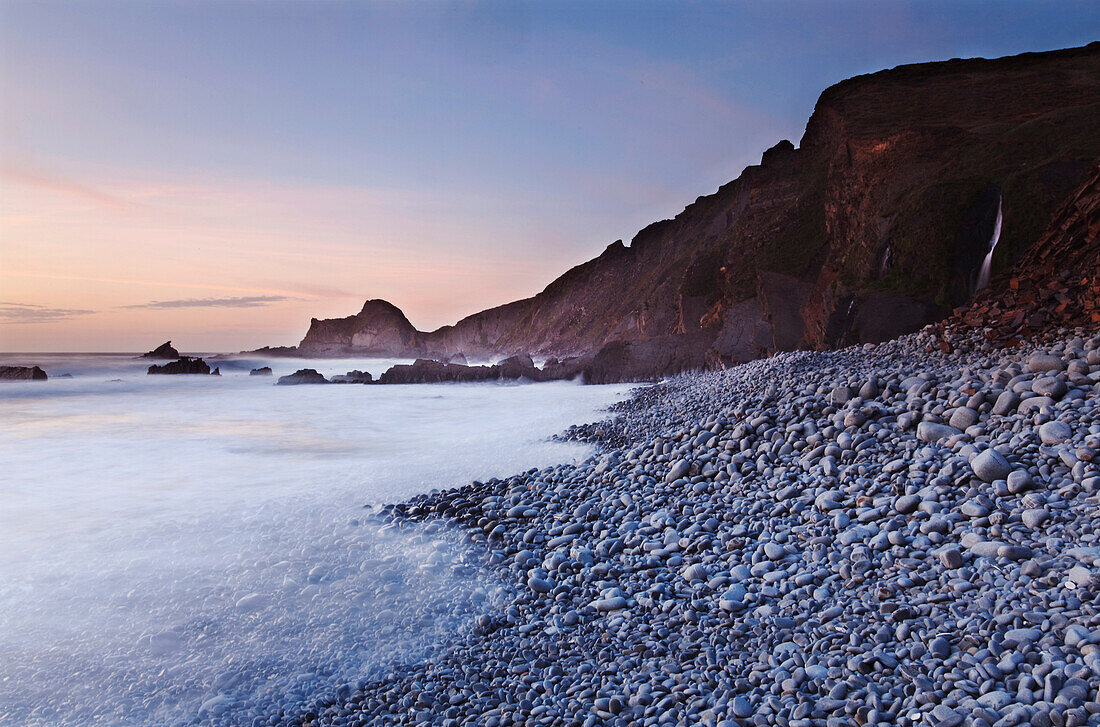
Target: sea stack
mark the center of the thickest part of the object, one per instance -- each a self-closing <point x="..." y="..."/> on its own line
<point x="164" y="351"/>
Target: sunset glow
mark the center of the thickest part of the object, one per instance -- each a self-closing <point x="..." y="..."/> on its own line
<point x="219" y="174"/>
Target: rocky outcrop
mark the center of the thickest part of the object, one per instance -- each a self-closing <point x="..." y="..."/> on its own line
<point x="262" y="371"/>
<point x="182" y="365"/>
<point x="353" y="377"/>
<point x="379" y="329"/>
<point x="876" y="225"/>
<point x="164" y="351"/>
<point x="303" y="376"/>
<point x="22" y="373"/>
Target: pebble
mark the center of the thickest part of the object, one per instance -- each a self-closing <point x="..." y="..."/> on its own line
<point x="1055" y="432"/>
<point x="1034" y="517"/>
<point x="1050" y="386"/>
<point x="931" y="432"/>
<point x="951" y="558"/>
<point x="990" y="465"/>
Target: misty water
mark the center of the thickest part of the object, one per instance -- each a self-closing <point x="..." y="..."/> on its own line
<point x="196" y="549"/>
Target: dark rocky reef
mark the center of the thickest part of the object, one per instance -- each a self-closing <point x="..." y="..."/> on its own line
<point x="353" y="377"/>
<point x="183" y="365"/>
<point x="303" y="376"/>
<point x="425" y="371"/>
<point x="262" y="371"/>
<point x="22" y="373"/>
<point x="164" y="351"/>
<point x="876" y="225"/>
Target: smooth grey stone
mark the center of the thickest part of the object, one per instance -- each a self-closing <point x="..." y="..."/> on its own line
<point x="615" y="603"/>
<point x="695" y="572"/>
<point x="1042" y="362"/>
<point x="1050" y="386"/>
<point x="907" y="504"/>
<point x="931" y="432"/>
<point x="951" y="558"/>
<point x="733" y="599"/>
<point x="1016" y="637"/>
<point x="1014" y="552"/>
<point x="1006" y="403"/>
<point x="963" y="417"/>
<point x="679" y="469"/>
<point x="973" y="509"/>
<point x="539" y="585"/>
<point x="774" y="551"/>
<point x="1027" y="406"/>
<point x="1019" y="481"/>
<point x="940" y="647"/>
<point x="1055" y="432"/>
<point x="990" y="465"/>
<point x="742" y="707"/>
<point x="1034" y="518"/>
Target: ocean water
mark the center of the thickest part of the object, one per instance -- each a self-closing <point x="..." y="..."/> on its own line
<point x="180" y="550"/>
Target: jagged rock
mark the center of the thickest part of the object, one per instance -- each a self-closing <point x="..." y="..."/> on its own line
<point x="164" y="351"/>
<point x="182" y="365"/>
<point x="426" y="371"/>
<point x="262" y="371"/>
<point x="303" y="376"/>
<point x="22" y="373"/>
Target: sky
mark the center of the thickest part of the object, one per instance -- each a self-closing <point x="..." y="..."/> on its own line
<point x="217" y="173"/>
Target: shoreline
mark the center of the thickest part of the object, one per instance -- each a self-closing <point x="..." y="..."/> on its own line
<point x="785" y="542"/>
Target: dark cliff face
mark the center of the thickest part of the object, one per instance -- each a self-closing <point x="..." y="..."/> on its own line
<point x="874" y="227"/>
<point x="1055" y="284"/>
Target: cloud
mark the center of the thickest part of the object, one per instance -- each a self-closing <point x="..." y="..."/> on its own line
<point x="248" y="301"/>
<point x="60" y="185"/>
<point x="11" y="313"/>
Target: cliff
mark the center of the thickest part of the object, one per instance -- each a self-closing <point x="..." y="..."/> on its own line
<point x="875" y="226"/>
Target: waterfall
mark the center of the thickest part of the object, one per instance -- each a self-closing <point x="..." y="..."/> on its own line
<point x="983" y="276"/>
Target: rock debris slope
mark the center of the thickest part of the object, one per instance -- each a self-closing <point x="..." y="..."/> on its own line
<point x="881" y="535"/>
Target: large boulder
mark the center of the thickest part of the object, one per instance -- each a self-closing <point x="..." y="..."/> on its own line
<point x="22" y="373"/>
<point x="262" y="371"/>
<point x="182" y="365"/>
<point x="303" y="376"/>
<point x="519" y="366"/>
<point x="164" y="351"/>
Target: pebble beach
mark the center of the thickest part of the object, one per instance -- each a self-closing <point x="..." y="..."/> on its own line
<point x="893" y="534"/>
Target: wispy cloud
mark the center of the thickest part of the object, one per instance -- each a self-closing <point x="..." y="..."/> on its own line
<point x="25" y="313"/>
<point x="248" y="301"/>
<point x="60" y="185"/>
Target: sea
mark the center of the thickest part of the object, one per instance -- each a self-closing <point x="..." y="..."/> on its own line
<point x="180" y="550"/>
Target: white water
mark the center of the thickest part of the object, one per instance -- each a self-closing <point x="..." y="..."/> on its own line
<point x="188" y="549"/>
<point x="987" y="263"/>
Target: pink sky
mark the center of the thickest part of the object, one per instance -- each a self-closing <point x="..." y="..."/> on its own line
<point x="217" y="173"/>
